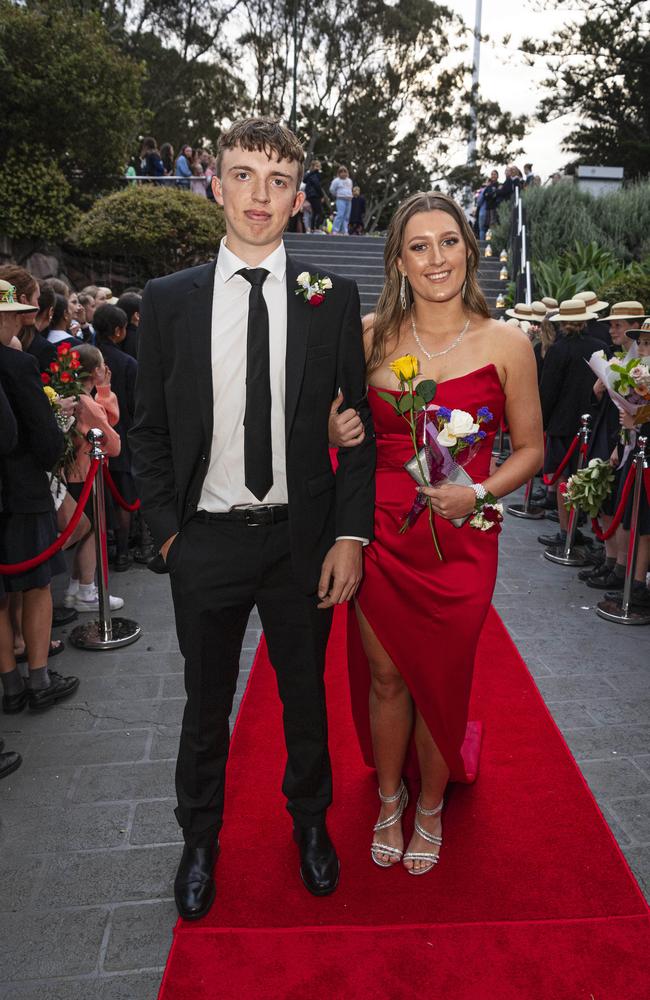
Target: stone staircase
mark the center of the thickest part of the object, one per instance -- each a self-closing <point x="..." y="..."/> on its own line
<point x="362" y="258"/>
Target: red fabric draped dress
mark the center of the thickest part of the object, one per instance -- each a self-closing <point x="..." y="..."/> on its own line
<point x="427" y="614"/>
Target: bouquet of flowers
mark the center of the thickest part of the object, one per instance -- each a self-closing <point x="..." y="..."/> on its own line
<point x="450" y="439"/>
<point x="64" y="378"/>
<point x="587" y="489"/>
<point x="627" y="381"/>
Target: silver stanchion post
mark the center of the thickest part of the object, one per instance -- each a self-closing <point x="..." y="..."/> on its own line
<point x="621" y="610"/>
<point x="107" y="632"/>
<point x="565" y="554"/>
<point x="527" y="509"/>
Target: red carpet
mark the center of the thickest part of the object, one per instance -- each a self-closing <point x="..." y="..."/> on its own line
<point x="532" y="899"/>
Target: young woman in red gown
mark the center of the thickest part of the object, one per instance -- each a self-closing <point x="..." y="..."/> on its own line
<point x="416" y="621"/>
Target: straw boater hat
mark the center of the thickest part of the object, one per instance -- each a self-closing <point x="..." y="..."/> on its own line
<point x="624" y="310"/>
<point x="572" y="311"/>
<point x="539" y="311"/>
<point x="549" y="302"/>
<point x="591" y="301"/>
<point x="635" y="334"/>
<point x="521" y="311"/>
<point x="8" y="301"/>
<point x="521" y="323"/>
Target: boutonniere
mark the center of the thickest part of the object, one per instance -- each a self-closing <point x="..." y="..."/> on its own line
<point x="312" y="287"/>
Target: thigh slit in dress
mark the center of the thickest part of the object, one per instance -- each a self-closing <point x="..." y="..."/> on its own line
<point x="427" y="614"/>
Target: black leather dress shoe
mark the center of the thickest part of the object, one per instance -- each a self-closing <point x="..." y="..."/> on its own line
<point x="319" y="865"/>
<point x="60" y="688"/>
<point x="158" y="564"/>
<point x="194" y="887"/>
<point x="9" y="762"/>
<point x="13" y="703"/>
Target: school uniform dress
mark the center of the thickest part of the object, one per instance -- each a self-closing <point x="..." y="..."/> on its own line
<point x="28" y="521"/>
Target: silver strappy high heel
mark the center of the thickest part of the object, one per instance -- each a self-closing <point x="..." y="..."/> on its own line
<point x="429" y="856"/>
<point x="401" y="796"/>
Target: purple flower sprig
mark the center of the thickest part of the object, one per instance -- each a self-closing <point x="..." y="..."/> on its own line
<point x="483" y="416"/>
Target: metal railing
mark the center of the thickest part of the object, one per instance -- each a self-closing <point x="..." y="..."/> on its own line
<point x="520" y="243"/>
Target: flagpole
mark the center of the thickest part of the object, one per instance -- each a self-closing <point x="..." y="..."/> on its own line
<point x="471" y="144"/>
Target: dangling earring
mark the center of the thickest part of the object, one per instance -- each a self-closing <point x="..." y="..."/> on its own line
<point x="402" y="293"/>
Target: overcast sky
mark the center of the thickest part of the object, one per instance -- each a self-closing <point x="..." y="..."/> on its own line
<point x="504" y="77"/>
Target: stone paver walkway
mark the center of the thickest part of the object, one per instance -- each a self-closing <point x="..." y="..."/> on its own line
<point x="88" y="840"/>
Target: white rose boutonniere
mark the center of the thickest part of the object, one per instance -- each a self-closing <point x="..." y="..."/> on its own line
<point x="312" y="287"/>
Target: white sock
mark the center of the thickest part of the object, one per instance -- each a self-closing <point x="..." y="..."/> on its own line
<point x="73" y="586"/>
<point x="87" y="591"/>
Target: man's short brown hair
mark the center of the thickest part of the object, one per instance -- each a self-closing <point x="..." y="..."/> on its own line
<point x="262" y="135"/>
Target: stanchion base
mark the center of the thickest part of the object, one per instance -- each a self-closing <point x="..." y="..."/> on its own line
<point x="532" y="514"/>
<point x="612" y="611"/>
<point x="89" y="635"/>
<point x="577" y="556"/>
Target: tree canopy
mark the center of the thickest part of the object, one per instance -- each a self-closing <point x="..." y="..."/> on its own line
<point x="68" y="89"/>
<point x="599" y="68"/>
<point x="384" y="87"/>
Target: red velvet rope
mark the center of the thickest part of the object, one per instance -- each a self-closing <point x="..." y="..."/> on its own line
<point x="117" y="496"/>
<point x="552" y="480"/>
<point x="24" y="567"/>
<point x="604" y="536"/>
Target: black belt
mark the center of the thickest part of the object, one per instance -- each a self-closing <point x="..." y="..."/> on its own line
<point x="252" y="516"/>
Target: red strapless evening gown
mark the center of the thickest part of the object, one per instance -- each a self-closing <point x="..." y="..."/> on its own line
<point x="427" y="614"/>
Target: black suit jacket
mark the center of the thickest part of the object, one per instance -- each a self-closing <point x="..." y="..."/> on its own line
<point x="173" y="429"/>
<point x="25" y="486"/>
<point x="566" y="386"/>
<point x="124" y="370"/>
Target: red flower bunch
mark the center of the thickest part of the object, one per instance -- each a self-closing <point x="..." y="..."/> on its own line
<point x="65" y="374"/>
<point x="316" y="299"/>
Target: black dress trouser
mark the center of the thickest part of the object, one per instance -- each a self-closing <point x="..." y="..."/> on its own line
<point x="219" y="571"/>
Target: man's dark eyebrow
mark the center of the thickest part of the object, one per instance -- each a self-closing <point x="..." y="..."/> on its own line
<point x="274" y="173"/>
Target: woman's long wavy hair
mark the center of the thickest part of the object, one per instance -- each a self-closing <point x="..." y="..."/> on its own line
<point x="389" y="313"/>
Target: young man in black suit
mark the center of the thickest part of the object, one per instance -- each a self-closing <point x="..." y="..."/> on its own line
<point x="236" y="377"/>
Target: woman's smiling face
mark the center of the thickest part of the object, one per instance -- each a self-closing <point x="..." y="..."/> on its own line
<point x="433" y="256"/>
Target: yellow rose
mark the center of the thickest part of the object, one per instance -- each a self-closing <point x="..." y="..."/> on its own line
<point x="406" y="367"/>
<point x="50" y="393"/>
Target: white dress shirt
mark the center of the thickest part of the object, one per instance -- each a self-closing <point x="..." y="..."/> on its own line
<point x="224" y="486"/>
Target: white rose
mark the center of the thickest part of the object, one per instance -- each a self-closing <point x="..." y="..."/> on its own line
<point x="326" y="283"/>
<point x="594" y="463"/>
<point x="303" y="278"/>
<point x="461" y="424"/>
<point x="445" y="439"/>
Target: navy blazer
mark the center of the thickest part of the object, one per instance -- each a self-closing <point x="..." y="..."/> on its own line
<point x="567" y="383"/>
<point x="124" y="370"/>
<point x="23" y="471"/>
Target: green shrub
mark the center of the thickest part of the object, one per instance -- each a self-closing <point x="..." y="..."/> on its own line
<point x="561" y="215"/>
<point x="166" y="229"/>
<point x="557" y="279"/>
<point x="34" y="197"/>
<point x="632" y="285"/>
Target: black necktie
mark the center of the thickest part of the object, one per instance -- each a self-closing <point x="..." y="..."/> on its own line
<point x="258" y="453"/>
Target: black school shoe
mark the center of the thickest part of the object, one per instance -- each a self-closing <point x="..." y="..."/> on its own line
<point x="606" y="581"/>
<point x="560" y="539"/>
<point x="60" y="688"/>
<point x="9" y="762"/>
<point x="639" y="598"/>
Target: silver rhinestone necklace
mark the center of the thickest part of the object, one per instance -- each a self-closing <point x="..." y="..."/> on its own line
<point x="437" y="354"/>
